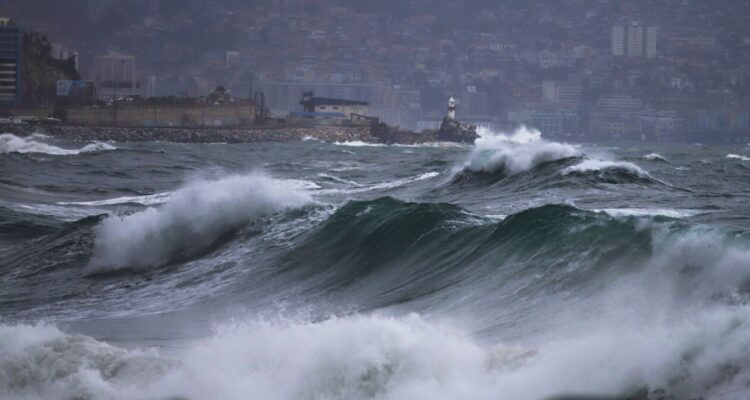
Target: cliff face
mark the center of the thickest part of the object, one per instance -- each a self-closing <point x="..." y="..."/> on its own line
<point x="453" y="131"/>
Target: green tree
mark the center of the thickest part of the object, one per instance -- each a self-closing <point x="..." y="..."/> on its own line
<point x="41" y="71"/>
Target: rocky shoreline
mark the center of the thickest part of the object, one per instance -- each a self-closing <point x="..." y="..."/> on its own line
<point x="194" y="135"/>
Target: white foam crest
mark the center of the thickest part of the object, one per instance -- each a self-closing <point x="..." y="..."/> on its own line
<point x="41" y="362"/>
<point x="10" y="143"/>
<point x="359" y="143"/>
<point x="593" y="165"/>
<point x="654" y="157"/>
<point x="146" y="200"/>
<point x="383" y="185"/>
<point x="519" y="151"/>
<point x="641" y="212"/>
<point x="371" y="356"/>
<point x="191" y="220"/>
<point x="738" y="157"/>
<point x="339" y="180"/>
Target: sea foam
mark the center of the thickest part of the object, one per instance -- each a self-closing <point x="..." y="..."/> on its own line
<point x="512" y="153"/>
<point x="10" y="143"/>
<point x="738" y="157"/>
<point x="594" y="165"/>
<point x="379" y="357"/>
<point x="191" y="220"/>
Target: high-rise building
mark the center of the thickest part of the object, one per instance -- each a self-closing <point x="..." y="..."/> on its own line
<point x="10" y="62"/>
<point x="618" y="40"/>
<point x="634" y="40"/>
<point x="115" y="76"/>
<point x="651" y="32"/>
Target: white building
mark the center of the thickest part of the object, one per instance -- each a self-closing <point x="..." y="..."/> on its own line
<point x="618" y="40"/>
<point x="634" y="40"/>
<point x="651" y="32"/>
<point x="115" y="76"/>
<point x="564" y="93"/>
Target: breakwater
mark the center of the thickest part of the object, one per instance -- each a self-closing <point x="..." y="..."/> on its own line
<point x="196" y="135"/>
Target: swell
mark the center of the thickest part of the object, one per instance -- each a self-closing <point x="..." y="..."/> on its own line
<point x="384" y="252"/>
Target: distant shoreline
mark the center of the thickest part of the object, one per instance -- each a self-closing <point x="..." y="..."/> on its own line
<point x="289" y="133"/>
<point x="195" y="134"/>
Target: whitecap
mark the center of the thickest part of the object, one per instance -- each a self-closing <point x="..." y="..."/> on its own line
<point x="519" y="151"/>
<point x="654" y="157"/>
<point x="738" y="157"/>
<point x="640" y="212"/>
<point x="191" y="220"/>
<point x="145" y="200"/>
<point x="10" y="143"/>
<point x="591" y="165"/>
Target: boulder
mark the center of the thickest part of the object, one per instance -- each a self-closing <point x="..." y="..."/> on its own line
<point x="453" y="131"/>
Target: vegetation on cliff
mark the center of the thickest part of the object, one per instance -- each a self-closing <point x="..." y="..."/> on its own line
<point x="41" y="71"/>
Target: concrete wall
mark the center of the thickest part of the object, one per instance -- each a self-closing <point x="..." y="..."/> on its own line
<point x="233" y="114"/>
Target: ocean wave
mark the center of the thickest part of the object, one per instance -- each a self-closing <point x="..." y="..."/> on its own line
<point x="337" y="179"/>
<point x="601" y="165"/>
<point x="146" y="200"/>
<point x="10" y="143"/>
<point x="638" y="212"/>
<point x="738" y="157"/>
<point x="191" y="220"/>
<point x="383" y="357"/>
<point x="608" y="171"/>
<point x="359" y="143"/>
<point x="519" y="151"/>
<point x="654" y="157"/>
<point x="381" y="186"/>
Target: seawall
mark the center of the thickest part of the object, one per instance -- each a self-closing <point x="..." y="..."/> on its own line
<point x="194" y="135"/>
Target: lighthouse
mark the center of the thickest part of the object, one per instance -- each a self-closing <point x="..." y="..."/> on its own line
<point x="452" y="108"/>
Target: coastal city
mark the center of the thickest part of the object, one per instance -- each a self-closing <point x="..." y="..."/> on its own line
<point x="374" y="200"/>
<point x="651" y="70"/>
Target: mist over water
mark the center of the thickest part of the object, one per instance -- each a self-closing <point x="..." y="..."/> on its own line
<point x="519" y="268"/>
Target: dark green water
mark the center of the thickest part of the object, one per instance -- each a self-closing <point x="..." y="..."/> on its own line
<point x="516" y="268"/>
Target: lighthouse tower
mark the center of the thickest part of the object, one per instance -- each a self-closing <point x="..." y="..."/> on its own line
<point x="452" y="108"/>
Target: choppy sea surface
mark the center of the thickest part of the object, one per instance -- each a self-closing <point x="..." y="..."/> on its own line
<point x="516" y="268"/>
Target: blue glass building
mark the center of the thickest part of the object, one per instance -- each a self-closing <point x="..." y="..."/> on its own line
<point x="11" y="37"/>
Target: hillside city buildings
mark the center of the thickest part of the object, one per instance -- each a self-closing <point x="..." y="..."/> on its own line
<point x="568" y="67"/>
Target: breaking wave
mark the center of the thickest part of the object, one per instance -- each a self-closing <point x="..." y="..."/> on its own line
<point x="10" y="143"/>
<point x="512" y="153"/>
<point x="190" y="221"/>
<point x="608" y="171"/>
<point x="738" y="157"/>
<point x="654" y="157"/>
<point x="381" y="357"/>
